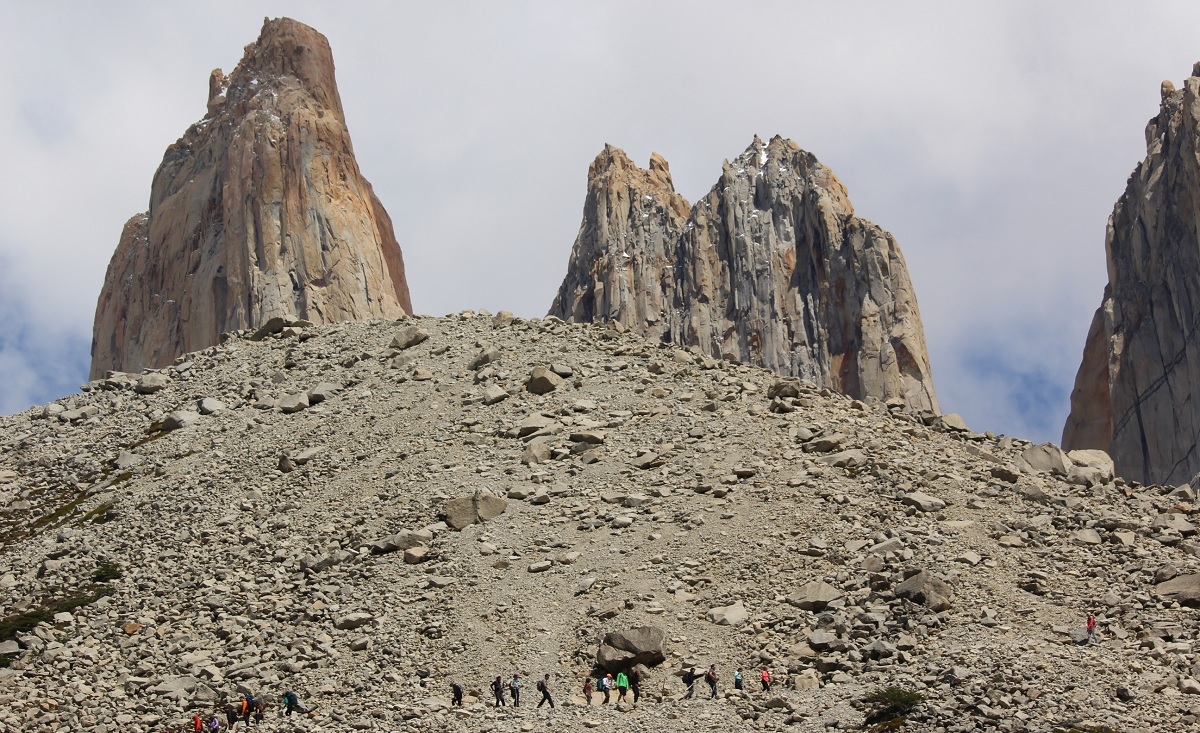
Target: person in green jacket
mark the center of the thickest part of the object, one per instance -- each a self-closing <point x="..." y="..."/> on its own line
<point x="622" y="686"/>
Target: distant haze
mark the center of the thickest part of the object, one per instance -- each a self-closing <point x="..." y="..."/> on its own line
<point x="991" y="138"/>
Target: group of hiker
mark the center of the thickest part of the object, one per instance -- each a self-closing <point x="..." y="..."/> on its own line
<point x="622" y="683"/>
<point x="711" y="678"/>
<point x="247" y="711"/>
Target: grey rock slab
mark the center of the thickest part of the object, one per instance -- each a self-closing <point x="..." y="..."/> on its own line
<point x="353" y="621"/>
<point x="323" y="391"/>
<point x="408" y="337"/>
<point x="483" y="358"/>
<point x="494" y="393"/>
<point x="291" y="403"/>
<point x="815" y="596"/>
<point x="924" y="502"/>
<point x="1184" y="589"/>
<point x="179" y="419"/>
<point x="732" y="615"/>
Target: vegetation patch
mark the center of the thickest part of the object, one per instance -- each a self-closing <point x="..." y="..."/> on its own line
<point x="99" y="515"/>
<point x="888" y="708"/>
<point x="107" y="571"/>
<point x="21" y="623"/>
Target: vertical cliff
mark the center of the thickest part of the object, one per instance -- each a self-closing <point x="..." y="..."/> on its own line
<point x="259" y="210"/>
<point x="772" y="267"/>
<point x="1134" y="391"/>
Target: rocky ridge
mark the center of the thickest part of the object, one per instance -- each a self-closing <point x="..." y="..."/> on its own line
<point x="772" y="267"/>
<point x="258" y="211"/>
<point x="363" y="512"/>
<point x="1133" y="392"/>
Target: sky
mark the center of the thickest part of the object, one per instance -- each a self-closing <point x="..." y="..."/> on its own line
<point x="991" y="138"/>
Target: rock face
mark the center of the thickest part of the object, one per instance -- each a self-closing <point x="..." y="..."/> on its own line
<point x="1141" y="362"/>
<point x="259" y="210"/>
<point x="772" y="267"/>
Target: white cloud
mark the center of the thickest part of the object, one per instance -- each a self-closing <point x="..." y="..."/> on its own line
<point x="991" y="138"/>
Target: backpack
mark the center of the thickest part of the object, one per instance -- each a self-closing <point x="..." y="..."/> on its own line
<point x="541" y="686"/>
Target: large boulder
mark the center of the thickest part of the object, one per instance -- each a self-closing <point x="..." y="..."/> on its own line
<point x="624" y="649"/>
<point x="1184" y="589"/>
<point x="815" y="596"/>
<point x="1046" y="458"/>
<point x="926" y="589"/>
<point x="467" y="510"/>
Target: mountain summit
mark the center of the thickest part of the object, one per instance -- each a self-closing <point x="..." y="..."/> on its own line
<point x="772" y="267"/>
<point x="258" y="211"/>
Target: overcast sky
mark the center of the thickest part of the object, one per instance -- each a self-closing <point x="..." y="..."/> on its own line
<point x="991" y="138"/>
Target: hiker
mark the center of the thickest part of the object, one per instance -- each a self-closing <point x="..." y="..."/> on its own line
<point x="1091" y="629"/>
<point x="689" y="679"/>
<point x="498" y="691"/>
<point x="606" y="685"/>
<point x="291" y="703"/>
<point x="231" y="715"/>
<point x="214" y="725"/>
<point x="456" y="692"/>
<point x="622" y="686"/>
<point x="737" y="679"/>
<point x="514" y="688"/>
<point x="197" y="723"/>
<point x="587" y="689"/>
<point x="543" y="687"/>
<point x="711" y="678"/>
<point x="260" y="711"/>
<point x="247" y="708"/>
<point x="635" y="679"/>
<point x="766" y="679"/>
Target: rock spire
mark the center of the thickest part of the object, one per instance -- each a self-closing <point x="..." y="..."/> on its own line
<point x="1134" y="392"/>
<point x="771" y="267"/>
<point x="258" y="211"/>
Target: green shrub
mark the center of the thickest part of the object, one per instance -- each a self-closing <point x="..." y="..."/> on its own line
<point x="107" y="571"/>
<point x="888" y="707"/>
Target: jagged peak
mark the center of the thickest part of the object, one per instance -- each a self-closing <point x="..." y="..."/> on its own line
<point x="613" y="160"/>
<point x="285" y="48"/>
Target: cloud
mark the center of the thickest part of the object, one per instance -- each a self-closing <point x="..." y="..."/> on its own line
<point x="991" y="138"/>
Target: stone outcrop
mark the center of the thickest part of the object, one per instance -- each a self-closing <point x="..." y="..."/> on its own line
<point x="772" y="267"/>
<point x="258" y="211"/>
<point x="1133" y="394"/>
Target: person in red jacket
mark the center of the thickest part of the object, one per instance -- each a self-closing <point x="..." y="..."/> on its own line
<point x="1091" y="629"/>
<point x="766" y="679"/>
<point x="197" y="723"/>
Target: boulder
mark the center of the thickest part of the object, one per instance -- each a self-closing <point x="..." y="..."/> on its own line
<point x="408" y="337"/>
<point x="494" y="393"/>
<point x="924" y="502"/>
<point x="323" y="391"/>
<point x="731" y="615"/>
<point x="290" y="403"/>
<point x="210" y="405"/>
<point x="926" y="589"/>
<point x="623" y="649"/>
<point x="353" y="621"/>
<point x="815" y="596"/>
<point x="151" y="383"/>
<point x="401" y="541"/>
<point x="1183" y="589"/>
<point x="542" y="381"/>
<point x="1046" y="458"/>
<point x="179" y="419"/>
<point x="467" y="510"/>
